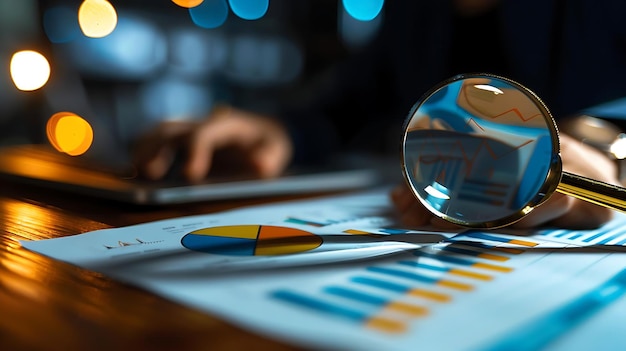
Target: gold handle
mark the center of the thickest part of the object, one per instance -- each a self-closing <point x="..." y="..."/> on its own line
<point x="594" y="191"/>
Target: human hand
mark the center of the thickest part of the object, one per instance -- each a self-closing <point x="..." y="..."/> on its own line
<point x="230" y="138"/>
<point x="559" y="210"/>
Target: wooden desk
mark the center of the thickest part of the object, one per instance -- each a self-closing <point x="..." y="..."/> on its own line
<point x="50" y="305"/>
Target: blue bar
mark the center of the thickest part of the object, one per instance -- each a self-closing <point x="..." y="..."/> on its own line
<point x="593" y="237"/>
<point x="560" y="233"/>
<point x="613" y="233"/>
<point x="378" y="283"/>
<point x="611" y="237"/>
<point x="604" y="231"/>
<point x="394" y="231"/>
<point x="320" y="305"/>
<point x="539" y="333"/>
<point x="575" y="236"/>
<point x="305" y="222"/>
<point x="483" y="236"/>
<point x="356" y="295"/>
<point x="403" y="274"/>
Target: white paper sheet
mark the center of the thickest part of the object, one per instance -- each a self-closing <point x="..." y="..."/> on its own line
<point x="309" y="273"/>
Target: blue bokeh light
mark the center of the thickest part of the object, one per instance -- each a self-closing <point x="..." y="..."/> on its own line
<point x="249" y="9"/>
<point x="136" y="49"/>
<point x="60" y="24"/>
<point x="171" y="97"/>
<point x="210" y="13"/>
<point x="363" y="10"/>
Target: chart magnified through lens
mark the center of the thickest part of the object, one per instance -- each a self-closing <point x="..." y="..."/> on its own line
<point x="478" y="150"/>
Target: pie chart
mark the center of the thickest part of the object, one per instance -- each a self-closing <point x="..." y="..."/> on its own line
<point x="251" y="240"/>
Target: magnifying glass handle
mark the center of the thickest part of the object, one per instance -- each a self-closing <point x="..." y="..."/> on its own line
<point x="594" y="191"/>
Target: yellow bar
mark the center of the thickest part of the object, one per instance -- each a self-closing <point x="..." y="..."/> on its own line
<point x="523" y="243"/>
<point x="492" y="267"/>
<point x="468" y="274"/>
<point x="386" y="325"/>
<point x="406" y="308"/>
<point x="430" y="295"/>
<point x="354" y="231"/>
<point x="493" y="257"/>
<point x="455" y="285"/>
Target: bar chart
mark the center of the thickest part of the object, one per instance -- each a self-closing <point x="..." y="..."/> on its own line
<point x="378" y="285"/>
<point x="389" y="297"/>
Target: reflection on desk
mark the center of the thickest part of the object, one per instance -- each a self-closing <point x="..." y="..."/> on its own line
<point x="49" y="305"/>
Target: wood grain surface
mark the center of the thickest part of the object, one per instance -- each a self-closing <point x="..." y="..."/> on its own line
<point x="50" y="305"/>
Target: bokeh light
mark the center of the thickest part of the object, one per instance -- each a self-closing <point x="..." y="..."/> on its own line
<point x="210" y="14"/>
<point x="356" y="33"/>
<point x="618" y="148"/>
<point x="69" y="133"/>
<point x="97" y="18"/>
<point x="135" y="50"/>
<point x="249" y="9"/>
<point x="30" y="70"/>
<point x="172" y="97"/>
<point x="363" y="10"/>
<point x="60" y="24"/>
<point x="187" y="3"/>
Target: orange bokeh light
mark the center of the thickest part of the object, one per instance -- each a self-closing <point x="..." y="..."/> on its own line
<point x="187" y="3"/>
<point x="69" y="133"/>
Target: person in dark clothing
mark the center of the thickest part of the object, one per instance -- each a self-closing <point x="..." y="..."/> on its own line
<point x="570" y="53"/>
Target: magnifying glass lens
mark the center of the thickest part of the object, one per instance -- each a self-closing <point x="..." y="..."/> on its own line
<point x="481" y="151"/>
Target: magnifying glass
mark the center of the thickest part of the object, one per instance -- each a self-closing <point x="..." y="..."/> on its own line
<point x="482" y="151"/>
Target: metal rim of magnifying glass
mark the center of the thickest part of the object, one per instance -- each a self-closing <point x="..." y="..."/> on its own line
<point x="550" y="182"/>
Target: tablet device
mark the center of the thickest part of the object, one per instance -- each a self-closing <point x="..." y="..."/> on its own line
<point x="44" y="166"/>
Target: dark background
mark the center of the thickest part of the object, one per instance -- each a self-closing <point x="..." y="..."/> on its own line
<point x="255" y="64"/>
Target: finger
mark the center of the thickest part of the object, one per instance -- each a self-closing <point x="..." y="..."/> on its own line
<point x="402" y="197"/>
<point x="165" y="133"/>
<point x="415" y="215"/>
<point x="270" y="159"/>
<point x="156" y="167"/>
<point x="217" y="134"/>
<point x="412" y="212"/>
<point x="273" y="152"/>
<point x="154" y="151"/>
<point x="583" y="215"/>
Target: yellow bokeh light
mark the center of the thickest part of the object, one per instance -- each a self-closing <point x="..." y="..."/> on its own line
<point x="187" y="3"/>
<point x="30" y="70"/>
<point x="69" y="133"/>
<point x="97" y="18"/>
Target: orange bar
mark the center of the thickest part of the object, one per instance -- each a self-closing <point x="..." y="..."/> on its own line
<point x="354" y="231"/>
<point x="386" y="325"/>
<point x="468" y="274"/>
<point x="492" y="267"/>
<point x="430" y="295"/>
<point x="455" y="285"/>
<point x="523" y="243"/>
<point x="493" y="257"/>
<point x="406" y="308"/>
